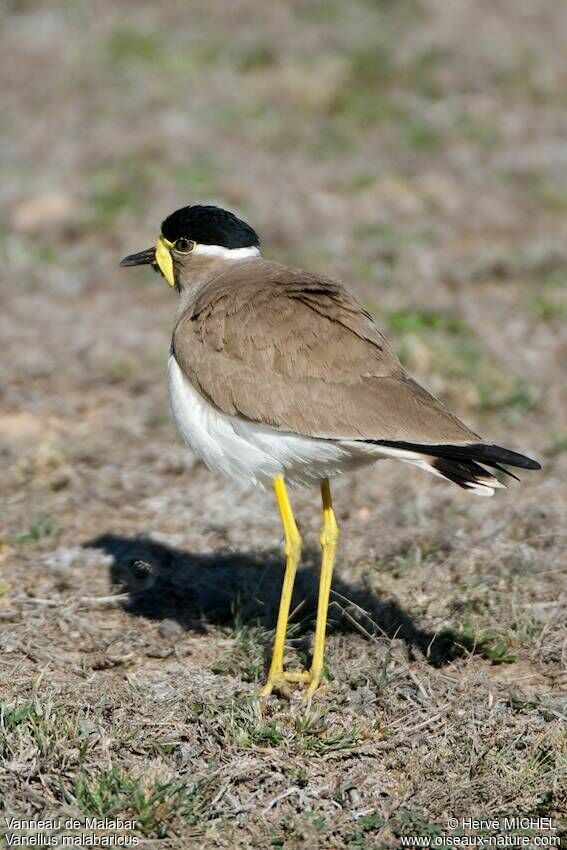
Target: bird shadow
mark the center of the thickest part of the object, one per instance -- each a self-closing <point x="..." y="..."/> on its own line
<point x="227" y="588"/>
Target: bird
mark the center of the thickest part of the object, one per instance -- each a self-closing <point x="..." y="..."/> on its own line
<point x="278" y="376"/>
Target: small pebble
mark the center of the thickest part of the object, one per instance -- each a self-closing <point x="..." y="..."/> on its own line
<point x="170" y="629"/>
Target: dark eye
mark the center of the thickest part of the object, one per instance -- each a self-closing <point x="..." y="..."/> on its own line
<point x="184" y="246"/>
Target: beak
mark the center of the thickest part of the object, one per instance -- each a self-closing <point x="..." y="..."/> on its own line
<point x="143" y="258"/>
<point x="158" y="257"/>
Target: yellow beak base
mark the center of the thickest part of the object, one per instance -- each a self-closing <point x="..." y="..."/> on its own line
<point x="163" y="259"/>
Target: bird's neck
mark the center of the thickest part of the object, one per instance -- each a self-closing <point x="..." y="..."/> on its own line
<point x="202" y="271"/>
<point x="204" y="267"/>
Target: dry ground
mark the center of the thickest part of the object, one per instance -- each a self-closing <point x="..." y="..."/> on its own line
<point x="417" y="150"/>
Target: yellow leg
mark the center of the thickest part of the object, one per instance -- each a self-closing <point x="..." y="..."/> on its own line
<point x="276" y="676"/>
<point x="329" y="541"/>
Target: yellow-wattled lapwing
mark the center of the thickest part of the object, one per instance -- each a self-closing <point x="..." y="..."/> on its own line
<point x="278" y="375"/>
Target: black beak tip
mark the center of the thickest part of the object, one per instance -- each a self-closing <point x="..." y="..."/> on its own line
<point x="143" y="258"/>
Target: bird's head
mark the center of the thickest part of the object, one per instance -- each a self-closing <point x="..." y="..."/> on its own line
<point x="197" y="235"/>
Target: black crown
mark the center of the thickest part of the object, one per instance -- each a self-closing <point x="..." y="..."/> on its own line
<point x="209" y="225"/>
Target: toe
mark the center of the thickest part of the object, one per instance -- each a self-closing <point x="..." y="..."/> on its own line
<point x="297" y="676"/>
<point x="314" y="683"/>
<point x="267" y="689"/>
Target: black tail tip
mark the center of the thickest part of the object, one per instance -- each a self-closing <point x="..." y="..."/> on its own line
<point x="487" y="453"/>
<point x="506" y="456"/>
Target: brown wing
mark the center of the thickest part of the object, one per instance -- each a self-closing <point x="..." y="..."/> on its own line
<point x="297" y="352"/>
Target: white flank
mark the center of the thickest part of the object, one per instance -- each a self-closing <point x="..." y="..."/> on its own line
<point x="227" y="253"/>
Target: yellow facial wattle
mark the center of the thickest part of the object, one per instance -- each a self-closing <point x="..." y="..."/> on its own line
<point x="163" y="259"/>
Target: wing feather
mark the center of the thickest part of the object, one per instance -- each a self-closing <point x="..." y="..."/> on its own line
<point x="297" y="352"/>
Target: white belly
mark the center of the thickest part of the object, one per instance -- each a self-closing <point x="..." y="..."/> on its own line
<point x="250" y="452"/>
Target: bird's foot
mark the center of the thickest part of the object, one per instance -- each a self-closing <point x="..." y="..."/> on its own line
<point x="278" y="681"/>
<point x="314" y="682"/>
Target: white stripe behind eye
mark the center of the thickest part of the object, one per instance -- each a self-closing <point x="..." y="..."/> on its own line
<point x="227" y="253"/>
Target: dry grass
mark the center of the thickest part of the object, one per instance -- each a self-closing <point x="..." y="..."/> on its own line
<point x="416" y="150"/>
